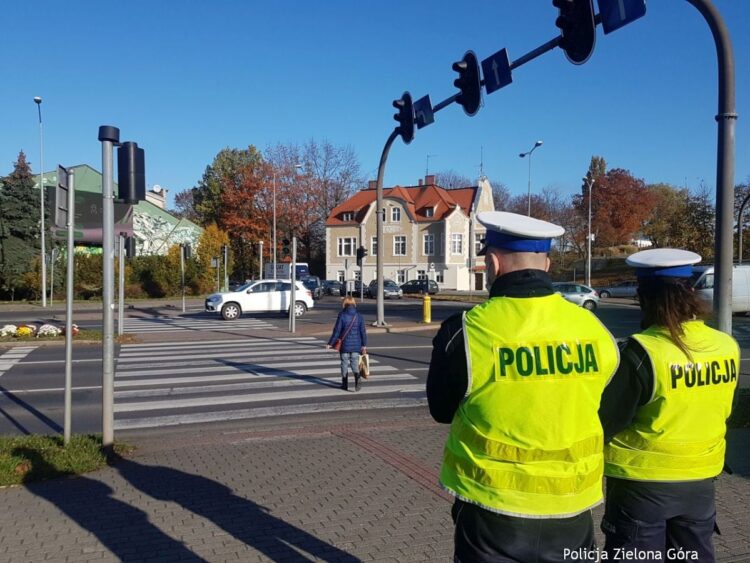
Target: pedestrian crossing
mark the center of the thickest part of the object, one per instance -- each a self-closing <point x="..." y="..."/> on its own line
<point x="145" y="325"/>
<point x="13" y="356"/>
<point x="167" y="383"/>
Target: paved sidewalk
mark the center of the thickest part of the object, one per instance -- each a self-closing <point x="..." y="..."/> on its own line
<point x="318" y="487"/>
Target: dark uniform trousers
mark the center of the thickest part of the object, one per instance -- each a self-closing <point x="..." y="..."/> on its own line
<point x="653" y="520"/>
<point x="488" y="537"/>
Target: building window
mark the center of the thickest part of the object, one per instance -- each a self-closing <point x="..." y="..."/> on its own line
<point x="347" y="216"/>
<point x="401" y="276"/>
<point x="457" y="244"/>
<point x="399" y="245"/>
<point x="421" y="275"/>
<point x="374" y="246"/>
<point x="429" y="245"/>
<point x="442" y="241"/>
<point x="429" y="211"/>
<point x="395" y="214"/>
<point x="357" y="275"/>
<point x="478" y="242"/>
<point x="347" y="246"/>
<point x="341" y="275"/>
<point x="439" y="278"/>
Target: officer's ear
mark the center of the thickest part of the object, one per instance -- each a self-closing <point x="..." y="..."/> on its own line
<point x="547" y="264"/>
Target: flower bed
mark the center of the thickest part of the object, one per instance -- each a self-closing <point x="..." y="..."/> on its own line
<point x="28" y="330"/>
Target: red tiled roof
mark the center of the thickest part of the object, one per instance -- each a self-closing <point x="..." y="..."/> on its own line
<point x="416" y="199"/>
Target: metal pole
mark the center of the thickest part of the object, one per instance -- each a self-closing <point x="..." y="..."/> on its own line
<point x="108" y="136"/>
<point x="38" y="101"/>
<point x="529" y="211"/>
<point x="274" y="225"/>
<point x="121" y="285"/>
<point x="182" y="274"/>
<point x="590" y="182"/>
<point x="52" y="277"/>
<point x="226" y="274"/>
<point x="294" y="288"/>
<point x="69" y="286"/>
<point x="726" y="118"/>
<point x="261" y="261"/>
<point x="739" y="228"/>
<point x="380" y="320"/>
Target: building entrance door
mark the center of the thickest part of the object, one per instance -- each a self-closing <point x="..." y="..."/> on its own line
<point x="479" y="280"/>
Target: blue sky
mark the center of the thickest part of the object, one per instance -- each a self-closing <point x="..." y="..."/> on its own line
<point x="185" y="79"/>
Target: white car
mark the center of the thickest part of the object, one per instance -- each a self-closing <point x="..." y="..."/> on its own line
<point x="260" y="296"/>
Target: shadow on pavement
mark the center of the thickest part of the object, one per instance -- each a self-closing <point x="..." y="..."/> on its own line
<point x="243" y="519"/>
<point x="26" y="406"/>
<point x="123" y="529"/>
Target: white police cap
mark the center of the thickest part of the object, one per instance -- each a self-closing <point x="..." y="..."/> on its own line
<point x="518" y="233"/>
<point x="663" y="262"/>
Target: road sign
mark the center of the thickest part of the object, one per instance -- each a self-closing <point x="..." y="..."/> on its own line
<point x="496" y="71"/>
<point x="423" y="112"/>
<point x="617" y="13"/>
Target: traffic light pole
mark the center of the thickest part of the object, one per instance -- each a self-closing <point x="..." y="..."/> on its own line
<point x="109" y="136"/>
<point x="293" y="295"/>
<point x="68" y="401"/>
<point x="182" y="274"/>
<point x="380" y="320"/>
<point x="121" y="284"/>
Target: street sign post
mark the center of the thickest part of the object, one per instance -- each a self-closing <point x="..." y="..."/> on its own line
<point x="496" y="71"/>
<point x="618" y="13"/>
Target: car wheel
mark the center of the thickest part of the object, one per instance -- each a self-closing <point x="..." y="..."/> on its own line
<point x="231" y="311"/>
<point x="589" y="305"/>
<point x="299" y="309"/>
<point x="604" y="294"/>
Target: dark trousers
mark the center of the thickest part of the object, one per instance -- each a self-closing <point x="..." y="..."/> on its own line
<point x="484" y="536"/>
<point x="653" y="521"/>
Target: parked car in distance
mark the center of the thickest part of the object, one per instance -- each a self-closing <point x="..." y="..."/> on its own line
<point x="259" y="297"/>
<point x="313" y="284"/>
<point x="391" y="290"/>
<point x="578" y="293"/>
<point x="351" y="286"/>
<point x="332" y="287"/>
<point x="420" y="286"/>
<point x="622" y="289"/>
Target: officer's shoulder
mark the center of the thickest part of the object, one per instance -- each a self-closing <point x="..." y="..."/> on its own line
<point x="455" y="321"/>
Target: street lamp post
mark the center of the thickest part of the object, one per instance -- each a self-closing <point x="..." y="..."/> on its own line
<point x="38" y="102"/>
<point x="590" y="183"/>
<point x="274" y="227"/>
<point x="528" y="153"/>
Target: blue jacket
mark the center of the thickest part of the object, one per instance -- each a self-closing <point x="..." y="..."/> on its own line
<point x="357" y="336"/>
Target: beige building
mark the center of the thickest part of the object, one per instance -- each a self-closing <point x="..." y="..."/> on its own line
<point x="429" y="233"/>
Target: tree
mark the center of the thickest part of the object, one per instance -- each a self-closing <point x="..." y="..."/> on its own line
<point x="450" y="179"/>
<point x="225" y="170"/>
<point x="699" y="223"/>
<point x="184" y="206"/>
<point x="741" y="192"/>
<point x="209" y="246"/>
<point x="19" y="224"/>
<point x="500" y="195"/>
<point x="663" y="226"/>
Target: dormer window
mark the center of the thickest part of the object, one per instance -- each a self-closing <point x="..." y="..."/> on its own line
<point x="348" y="216"/>
<point x="429" y="211"/>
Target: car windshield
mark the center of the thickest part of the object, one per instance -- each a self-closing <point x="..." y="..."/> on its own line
<point x="244" y="286"/>
<point x="310" y="283"/>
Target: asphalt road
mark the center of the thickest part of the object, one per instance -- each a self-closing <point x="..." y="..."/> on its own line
<point x="195" y="368"/>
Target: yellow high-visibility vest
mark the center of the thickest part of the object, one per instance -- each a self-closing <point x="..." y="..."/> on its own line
<point x="526" y="440"/>
<point x="679" y="434"/>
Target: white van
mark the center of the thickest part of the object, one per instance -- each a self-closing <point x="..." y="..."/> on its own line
<point x="704" y="286"/>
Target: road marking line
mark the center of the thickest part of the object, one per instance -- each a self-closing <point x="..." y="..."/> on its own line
<point x="263" y="412"/>
<point x="243" y="366"/>
<point x="13" y="356"/>
<point x="259" y="397"/>
<point x="211" y="342"/>
<point x="217" y="352"/>
<point x="52" y="389"/>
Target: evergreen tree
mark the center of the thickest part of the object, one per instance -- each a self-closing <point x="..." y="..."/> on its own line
<point x="19" y="224"/>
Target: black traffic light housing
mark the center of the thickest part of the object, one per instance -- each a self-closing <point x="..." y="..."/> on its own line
<point x="405" y="117"/>
<point x="131" y="173"/>
<point x="187" y="251"/>
<point x="285" y="249"/>
<point x="469" y="82"/>
<point x="361" y="253"/>
<point x="130" y="247"/>
<point x="577" y="27"/>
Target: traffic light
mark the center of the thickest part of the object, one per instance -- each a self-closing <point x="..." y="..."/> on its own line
<point x="131" y="173"/>
<point x="130" y="247"/>
<point x="405" y="117"/>
<point x="285" y="249"/>
<point x="60" y="201"/>
<point x="188" y="252"/>
<point x="577" y="28"/>
<point x="361" y="253"/>
<point x="469" y="82"/>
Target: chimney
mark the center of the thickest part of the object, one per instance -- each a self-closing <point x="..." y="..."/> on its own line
<point x="372" y="185"/>
<point x="429" y="179"/>
<point x="420" y="181"/>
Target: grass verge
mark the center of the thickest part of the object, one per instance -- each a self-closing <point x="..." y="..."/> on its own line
<point x="741" y="412"/>
<point x="26" y="459"/>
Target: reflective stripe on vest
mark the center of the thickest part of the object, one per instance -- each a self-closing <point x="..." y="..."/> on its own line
<point x="527" y="439"/>
<point x="679" y="434"/>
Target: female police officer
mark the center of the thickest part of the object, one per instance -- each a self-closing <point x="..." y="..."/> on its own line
<point x="664" y="417"/>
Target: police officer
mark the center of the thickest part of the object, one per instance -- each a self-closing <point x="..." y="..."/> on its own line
<point x="664" y="418"/>
<point x="520" y="378"/>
